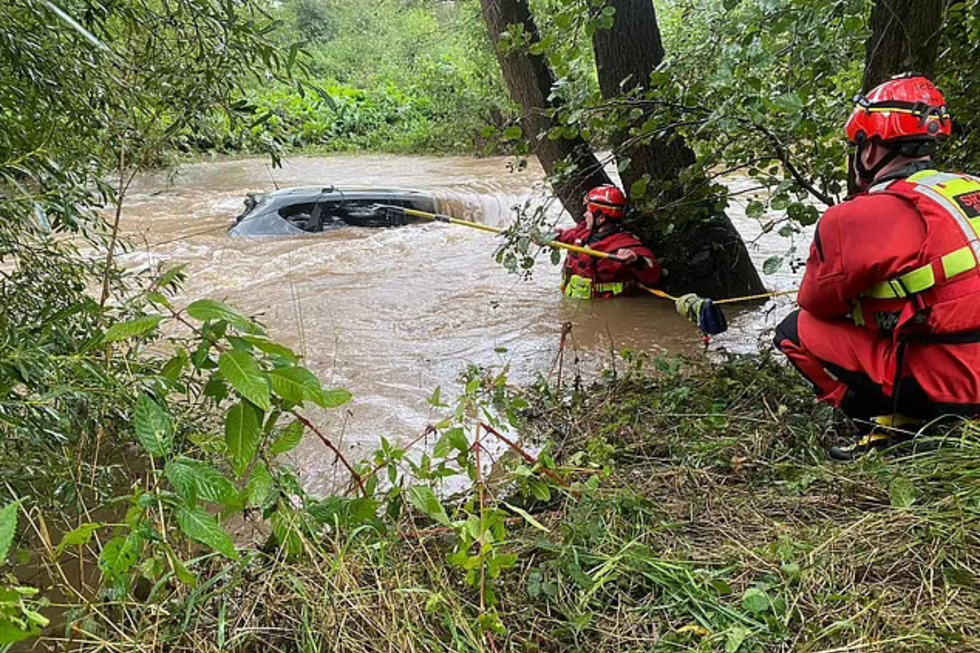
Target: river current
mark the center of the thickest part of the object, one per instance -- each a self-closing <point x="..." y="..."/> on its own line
<point x="391" y="314"/>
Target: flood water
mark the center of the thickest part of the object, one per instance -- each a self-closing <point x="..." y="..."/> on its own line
<point x="390" y="314"/>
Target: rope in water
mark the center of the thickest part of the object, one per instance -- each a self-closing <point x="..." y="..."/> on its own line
<point x="730" y="300"/>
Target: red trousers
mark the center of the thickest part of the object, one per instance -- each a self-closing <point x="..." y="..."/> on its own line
<point x="856" y="370"/>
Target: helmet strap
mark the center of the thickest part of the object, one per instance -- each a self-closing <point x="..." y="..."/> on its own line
<point x="868" y="175"/>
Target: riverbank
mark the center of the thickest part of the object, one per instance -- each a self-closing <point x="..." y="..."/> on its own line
<point x="673" y="506"/>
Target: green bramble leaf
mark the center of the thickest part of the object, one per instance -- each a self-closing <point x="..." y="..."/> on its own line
<point x="208" y="310"/>
<point x="288" y="439"/>
<point x="259" y="486"/>
<point x="202" y="527"/>
<point x="78" y="537"/>
<point x="334" y="399"/>
<point x="154" y="427"/>
<point x="296" y="385"/>
<point x="243" y="431"/>
<point x="132" y="329"/>
<point x="272" y="348"/>
<point x="426" y="501"/>
<point x="242" y="371"/>
<point x="194" y="480"/>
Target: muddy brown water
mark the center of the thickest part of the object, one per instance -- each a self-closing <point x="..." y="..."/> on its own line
<point x="391" y="314"/>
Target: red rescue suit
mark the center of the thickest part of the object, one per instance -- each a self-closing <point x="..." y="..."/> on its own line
<point x="586" y="277"/>
<point x="890" y="302"/>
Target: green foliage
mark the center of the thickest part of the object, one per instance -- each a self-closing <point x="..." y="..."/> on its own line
<point x="382" y="76"/>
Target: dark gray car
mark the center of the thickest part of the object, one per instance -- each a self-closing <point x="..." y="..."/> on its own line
<point x="297" y="211"/>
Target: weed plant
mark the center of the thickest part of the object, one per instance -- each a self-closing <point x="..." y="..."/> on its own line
<point x="676" y="507"/>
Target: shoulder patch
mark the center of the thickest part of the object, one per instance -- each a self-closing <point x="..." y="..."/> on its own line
<point x="969" y="202"/>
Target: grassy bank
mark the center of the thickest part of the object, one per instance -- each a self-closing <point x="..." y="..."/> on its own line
<point x="672" y="508"/>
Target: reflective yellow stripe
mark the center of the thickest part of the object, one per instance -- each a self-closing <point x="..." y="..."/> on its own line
<point x="958" y="262"/>
<point x="941" y="188"/>
<point x="577" y="287"/>
<point x="908" y="284"/>
<point x="921" y="176"/>
<point x="614" y="288"/>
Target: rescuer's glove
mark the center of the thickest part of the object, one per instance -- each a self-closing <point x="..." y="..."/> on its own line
<point x="690" y="306"/>
<point x="703" y="312"/>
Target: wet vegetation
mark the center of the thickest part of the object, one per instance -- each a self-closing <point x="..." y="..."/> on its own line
<point x="670" y="505"/>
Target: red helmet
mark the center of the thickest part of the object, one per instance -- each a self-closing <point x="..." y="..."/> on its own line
<point x="607" y="200"/>
<point x="905" y="108"/>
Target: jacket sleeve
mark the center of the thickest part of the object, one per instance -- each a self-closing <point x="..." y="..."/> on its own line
<point x="569" y="236"/>
<point x="646" y="270"/>
<point x="857" y="244"/>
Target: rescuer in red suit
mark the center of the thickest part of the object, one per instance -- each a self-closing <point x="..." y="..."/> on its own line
<point x="889" y="319"/>
<point x="585" y="277"/>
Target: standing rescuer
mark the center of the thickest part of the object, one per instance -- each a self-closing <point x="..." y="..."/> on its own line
<point x="889" y="319"/>
<point x="586" y="277"/>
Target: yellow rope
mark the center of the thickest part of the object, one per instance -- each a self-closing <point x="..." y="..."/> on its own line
<point x="587" y="252"/>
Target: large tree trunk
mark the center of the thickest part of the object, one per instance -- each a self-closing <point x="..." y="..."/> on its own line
<point x="530" y="80"/>
<point x="905" y="37"/>
<point x="704" y="253"/>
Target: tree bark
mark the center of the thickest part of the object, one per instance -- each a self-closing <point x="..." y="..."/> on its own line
<point x="905" y="37"/>
<point x="530" y="80"/>
<point x="704" y="253"/>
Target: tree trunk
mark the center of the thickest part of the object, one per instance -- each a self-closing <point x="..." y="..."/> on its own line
<point x="704" y="253"/>
<point x="905" y="37"/>
<point x="530" y="80"/>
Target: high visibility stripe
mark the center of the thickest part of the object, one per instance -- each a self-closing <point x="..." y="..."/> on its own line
<point x="931" y="178"/>
<point x="958" y="262"/>
<point x="941" y="188"/>
<point x="961" y="218"/>
<point x="614" y="288"/>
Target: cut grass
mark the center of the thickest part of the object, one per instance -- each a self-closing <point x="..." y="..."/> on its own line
<point x="717" y="524"/>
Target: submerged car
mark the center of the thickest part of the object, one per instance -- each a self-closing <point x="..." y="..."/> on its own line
<point x="297" y="211"/>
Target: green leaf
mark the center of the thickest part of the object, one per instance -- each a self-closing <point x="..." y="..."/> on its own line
<point x="288" y="439"/>
<point x="207" y="310"/>
<point x="194" y="480"/>
<point x="436" y="399"/>
<point x="902" y="492"/>
<point x="272" y="348"/>
<point x="772" y="264"/>
<point x="638" y="190"/>
<point x="154" y="427"/>
<point x="755" y="600"/>
<point x="184" y="575"/>
<point x="736" y="636"/>
<point x="11" y="633"/>
<point x="78" y="537"/>
<point x="527" y="517"/>
<point x="539" y="490"/>
<point x="513" y="133"/>
<point x="246" y="377"/>
<point x="334" y="398"/>
<point x="296" y="385"/>
<point x="427" y="502"/>
<point x="259" y="486"/>
<point x="202" y="527"/>
<point x="755" y="209"/>
<point x="8" y="528"/>
<point x="119" y="555"/>
<point x="243" y="430"/>
<point x="131" y="329"/>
